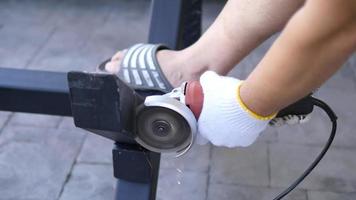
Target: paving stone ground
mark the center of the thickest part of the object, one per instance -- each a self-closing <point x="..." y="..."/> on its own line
<point x="35" y="162"/>
<point x="4" y="116"/>
<point x="228" y="192"/>
<point x="47" y="158"/>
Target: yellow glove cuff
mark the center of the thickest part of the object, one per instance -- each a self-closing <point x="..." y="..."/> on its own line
<point x="249" y="111"/>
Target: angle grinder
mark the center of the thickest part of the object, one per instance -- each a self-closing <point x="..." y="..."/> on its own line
<point x="168" y="123"/>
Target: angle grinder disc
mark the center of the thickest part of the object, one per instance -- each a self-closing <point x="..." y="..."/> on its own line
<point x="165" y="125"/>
<point x="161" y="129"/>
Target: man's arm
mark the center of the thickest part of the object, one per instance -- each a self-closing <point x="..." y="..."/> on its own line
<point x="312" y="47"/>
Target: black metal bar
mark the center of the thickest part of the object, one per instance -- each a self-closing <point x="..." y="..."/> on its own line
<point x="176" y="23"/>
<point x="34" y="92"/>
<point x="137" y="172"/>
<point x="165" y="24"/>
<point x="132" y="190"/>
<point x="191" y="24"/>
<point x="154" y="159"/>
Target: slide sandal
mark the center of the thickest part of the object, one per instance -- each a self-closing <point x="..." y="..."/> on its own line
<point x="141" y="70"/>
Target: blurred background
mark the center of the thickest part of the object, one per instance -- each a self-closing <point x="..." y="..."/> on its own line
<point x="47" y="158"/>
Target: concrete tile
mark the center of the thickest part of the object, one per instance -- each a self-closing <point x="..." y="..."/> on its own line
<point x="245" y="166"/>
<point x="316" y="195"/>
<point x="130" y="11"/>
<point x="36" y="166"/>
<point x="228" y="192"/>
<point x="4" y="116"/>
<point x="111" y="37"/>
<point x="352" y="63"/>
<point x="67" y="123"/>
<point x="96" y="149"/>
<point x="25" y="119"/>
<point x="63" y="51"/>
<point x="317" y="130"/>
<point x="75" y="22"/>
<point x="196" y="159"/>
<point x="334" y="173"/>
<point x="90" y="182"/>
<point x="344" y="80"/>
<point x="26" y="11"/>
<point x="183" y="185"/>
<point x="341" y="100"/>
<point x="340" y="93"/>
<point x="44" y="136"/>
<point x="75" y="13"/>
<point x="268" y="135"/>
<point x="20" y="43"/>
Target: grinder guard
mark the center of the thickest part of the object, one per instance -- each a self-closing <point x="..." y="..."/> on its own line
<point x="164" y="124"/>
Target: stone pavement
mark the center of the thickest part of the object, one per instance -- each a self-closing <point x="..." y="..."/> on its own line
<point x="46" y="158"/>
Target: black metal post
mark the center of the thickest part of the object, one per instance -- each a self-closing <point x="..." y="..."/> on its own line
<point x="137" y="172"/>
<point x="176" y="23"/>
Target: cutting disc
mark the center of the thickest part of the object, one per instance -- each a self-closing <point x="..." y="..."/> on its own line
<point x="165" y="125"/>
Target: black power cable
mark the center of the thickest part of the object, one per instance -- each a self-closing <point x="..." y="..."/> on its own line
<point x="333" y="119"/>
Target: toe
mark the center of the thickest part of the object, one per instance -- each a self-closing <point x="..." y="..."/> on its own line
<point x="119" y="55"/>
<point x="113" y="66"/>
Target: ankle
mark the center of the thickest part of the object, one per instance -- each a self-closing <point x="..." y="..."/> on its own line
<point x="180" y="66"/>
<point x="193" y="62"/>
<point x="202" y="58"/>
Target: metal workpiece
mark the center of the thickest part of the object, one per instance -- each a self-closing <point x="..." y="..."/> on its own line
<point x="103" y="104"/>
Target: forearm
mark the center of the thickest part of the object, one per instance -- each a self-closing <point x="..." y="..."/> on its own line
<point x="314" y="44"/>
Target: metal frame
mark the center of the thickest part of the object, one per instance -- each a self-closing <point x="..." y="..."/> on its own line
<point x="176" y="23"/>
<point x="34" y="92"/>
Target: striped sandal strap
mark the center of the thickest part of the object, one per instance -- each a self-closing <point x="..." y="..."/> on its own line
<point x="141" y="70"/>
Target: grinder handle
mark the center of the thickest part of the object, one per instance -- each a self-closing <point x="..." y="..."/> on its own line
<point x="194" y="97"/>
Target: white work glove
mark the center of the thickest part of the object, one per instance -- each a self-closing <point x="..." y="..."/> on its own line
<point x="225" y="120"/>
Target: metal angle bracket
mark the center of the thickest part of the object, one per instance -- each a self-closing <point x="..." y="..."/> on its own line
<point x="103" y="104"/>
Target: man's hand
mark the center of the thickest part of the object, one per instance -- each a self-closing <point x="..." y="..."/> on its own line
<point x="225" y="120"/>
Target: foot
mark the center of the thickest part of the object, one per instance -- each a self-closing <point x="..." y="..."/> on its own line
<point x="177" y="66"/>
